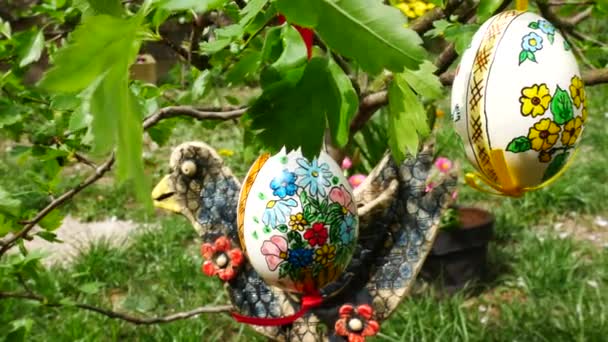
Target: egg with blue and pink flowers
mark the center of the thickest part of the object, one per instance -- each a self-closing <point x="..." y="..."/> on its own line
<point x="297" y="220"/>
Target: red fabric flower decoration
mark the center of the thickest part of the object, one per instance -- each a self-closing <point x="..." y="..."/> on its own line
<point x="356" y="324"/>
<point x="317" y="235"/>
<point x="221" y="259"/>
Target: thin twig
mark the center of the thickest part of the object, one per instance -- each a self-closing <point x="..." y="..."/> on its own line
<point x="590" y="77"/>
<point x="173" y="111"/>
<point x="29" y="225"/>
<point x="198" y="61"/>
<point x="163" y="113"/>
<point x="85" y="160"/>
<point x="123" y="316"/>
<point x="585" y="38"/>
<point x="565" y="24"/>
<point x="567" y="2"/>
<point x="367" y="107"/>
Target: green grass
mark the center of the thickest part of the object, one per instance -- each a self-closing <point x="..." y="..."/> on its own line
<point x="542" y="288"/>
<point x="157" y="274"/>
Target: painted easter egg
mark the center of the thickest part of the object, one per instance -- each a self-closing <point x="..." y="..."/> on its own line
<point x="297" y="220"/>
<point x="518" y="102"/>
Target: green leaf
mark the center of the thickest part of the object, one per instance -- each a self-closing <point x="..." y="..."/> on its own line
<point x="201" y="85"/>
<point x="10" y="114"/>
<point x="113" y="96"/>
<point x="294" y="115"/>
<point x="110" y="7"/>
<point x="251" y="11"/>
<point x="424" y="81"/>
<point x="523" y="56"/>
<point x="294" y="50"/>
<point x="48" y="236"/>
<point x="91" y="288"/>
<point x="556" y="165"/>
<point x="530" y="55"/>
<point x="339" y="122"/>
<point x="519" y="144"/>
<point x="561" y="106"/>
<point x="402" y="135"/>
<point x="96" y="61"/>
<point x="272" y="48"/>
<point x="5" y="28"/>
<point x="457" y="33"/>
<point x="407" y="119"/>
<point x="52" y="221"/>
<point x="602" y="6"/>
<point x="223" y="37"/>
<point x="246" y="67"/>
<point x="486" y="8"/>
<point x="195" y="5"/>
<point x="533" y="25"/>
<point x="93" y="49"/>
<point x="79" y="120"/>
<point x="162" y="131"/>
<point x="439" y="28"/>
<point x="8" y="224"/>
<point x="9" y="204"/>
<point x="377" y="38"/>
<point x="65" y="102"/>
<point x="551" y="38"/>
<point x="302" y="10"/>
<point x="31" y="50"/>
<point x="20" y="329"/>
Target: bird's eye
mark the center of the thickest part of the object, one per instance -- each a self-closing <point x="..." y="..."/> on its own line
<point x="188" y="168"/>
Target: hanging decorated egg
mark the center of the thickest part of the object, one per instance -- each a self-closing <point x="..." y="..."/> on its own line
<point x="518" y="103"/>
<point x="297" y="220"/>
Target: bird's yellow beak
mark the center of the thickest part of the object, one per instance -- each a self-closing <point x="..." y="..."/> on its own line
<point x="163" y="196"/>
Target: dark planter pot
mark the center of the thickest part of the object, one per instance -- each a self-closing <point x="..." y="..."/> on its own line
<point x="459" y="255"/>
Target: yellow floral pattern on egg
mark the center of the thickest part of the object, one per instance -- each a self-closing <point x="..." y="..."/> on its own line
<point x="564" y="127"/>
<point x="543" y="135"/>
<point x="535" y="100"/>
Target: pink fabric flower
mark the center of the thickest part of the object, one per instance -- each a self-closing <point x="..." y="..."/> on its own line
<point x="365" y="324"/>
<point x="221" y="249"/>
<point x="275" y="251"/>
<point x="443" y="164"/>
<point x="346" y="163"/>
<point x="356" y="180"/>
<point x="343" y="197"/>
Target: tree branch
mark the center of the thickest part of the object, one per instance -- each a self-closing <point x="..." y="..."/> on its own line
<point x="200" y="62"/>
<point x="174" y="111"/>
<point x="164" y="113"/>
<point x="595" y="76"/>
<point x="123" y="316"/>
<point x="590" y="77"/>
<point x="367" y="107"/>
<point x="29" y="225"/>
<point x="565" y="24"/>
<point x="566" y="2"/>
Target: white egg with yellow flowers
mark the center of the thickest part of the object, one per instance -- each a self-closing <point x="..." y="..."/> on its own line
<point x="297" y="220"/>
<point x="518" y="103"/>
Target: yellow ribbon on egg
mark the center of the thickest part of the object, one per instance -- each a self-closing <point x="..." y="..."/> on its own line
<point x="521" y="5"/>
<point x="507" y="184"/>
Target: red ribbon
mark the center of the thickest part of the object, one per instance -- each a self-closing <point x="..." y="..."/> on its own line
<point x="307" y="35"/>
<point x="308" y="302"/>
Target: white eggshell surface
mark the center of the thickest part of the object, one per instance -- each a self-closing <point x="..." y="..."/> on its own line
<point x="518" y="89"/>
<point x="297" y="220"/>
